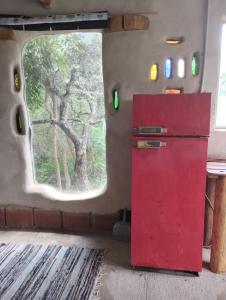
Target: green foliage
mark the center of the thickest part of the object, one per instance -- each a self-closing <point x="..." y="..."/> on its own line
<point x="96" y="155"/>
<point x="48" y="61"/>
<point x="45" y="171"/>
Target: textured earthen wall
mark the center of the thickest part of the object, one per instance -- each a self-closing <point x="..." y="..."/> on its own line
<point x="127" y="57"/>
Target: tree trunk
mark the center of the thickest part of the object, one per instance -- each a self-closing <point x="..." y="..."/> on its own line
<point x="81" y="177"/>
<point x="55" y="147"/>
<point x="55" y="158"/>
<point x="66" y="173"/>
<point x="72" y="148"/>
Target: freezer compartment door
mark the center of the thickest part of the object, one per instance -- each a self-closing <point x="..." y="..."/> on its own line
<point x="168" y="196"/>
<point x="177" y="115"/>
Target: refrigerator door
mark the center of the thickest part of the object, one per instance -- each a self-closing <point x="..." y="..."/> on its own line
<point x="175" y="115"/>
<point x="168" y="188"/>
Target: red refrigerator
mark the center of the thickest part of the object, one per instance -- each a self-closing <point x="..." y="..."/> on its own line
<point x="169" y="157"/>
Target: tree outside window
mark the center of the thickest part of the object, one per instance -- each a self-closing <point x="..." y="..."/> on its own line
<point x="65" y="100"/>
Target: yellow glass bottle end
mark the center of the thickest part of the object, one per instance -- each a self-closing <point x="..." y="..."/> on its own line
<point x="154" y="72"/>
<point x="17" y="83"/>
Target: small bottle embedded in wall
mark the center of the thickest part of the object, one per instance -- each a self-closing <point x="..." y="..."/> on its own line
<point x="168" y="68"/>
<point x="195" y="64"/>
<point x="19" y="112"/>
<point x="154" y="72"/>
<point x="115" y="100"/>
<point x="20" y="121"/>
<point x="16" y="80"/>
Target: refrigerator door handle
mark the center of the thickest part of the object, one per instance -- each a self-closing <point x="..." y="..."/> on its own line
<point x="144" y="144"/>
<point x="149" y="130"/>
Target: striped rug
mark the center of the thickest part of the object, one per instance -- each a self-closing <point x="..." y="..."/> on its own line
<point x="47" y="272"/>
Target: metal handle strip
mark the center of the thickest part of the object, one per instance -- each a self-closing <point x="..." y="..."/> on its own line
<point x="149" y="144"/>
<point x="149" y="130"/>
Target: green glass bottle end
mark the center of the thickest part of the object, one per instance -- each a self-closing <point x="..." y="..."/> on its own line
<point x="115" y="100"/>
<point x="195" y="65"/>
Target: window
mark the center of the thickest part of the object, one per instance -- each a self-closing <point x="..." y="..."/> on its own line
<point x="221" y="105"/>
<point x="65" y="100"/>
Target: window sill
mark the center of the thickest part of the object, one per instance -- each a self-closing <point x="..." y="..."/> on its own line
<point x="55" y="195"/>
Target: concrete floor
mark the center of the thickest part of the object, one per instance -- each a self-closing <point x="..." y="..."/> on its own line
<point x="119" y="282"/>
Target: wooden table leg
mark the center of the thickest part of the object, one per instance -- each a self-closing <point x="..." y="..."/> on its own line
<point x="210" y="196"/>
<point x="218" y="249"/>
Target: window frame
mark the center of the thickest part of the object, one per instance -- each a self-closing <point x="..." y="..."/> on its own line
<point x="219" y="127"/>
<point x="47" y="190"/>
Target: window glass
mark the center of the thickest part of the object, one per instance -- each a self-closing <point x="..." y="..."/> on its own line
<point x="221" y="105"/>
<point x="65" y="100"/>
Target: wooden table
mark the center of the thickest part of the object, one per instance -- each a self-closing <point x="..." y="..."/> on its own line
<point x="216" y="171"/>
